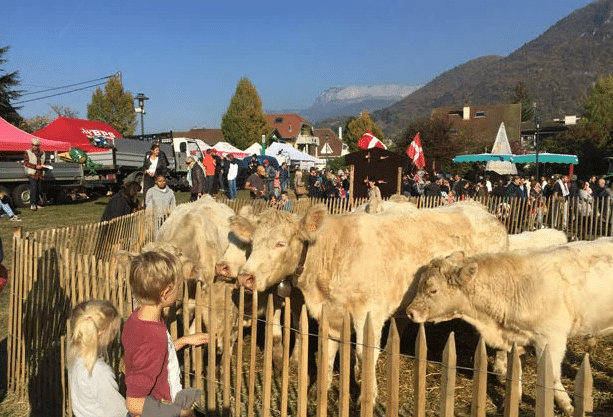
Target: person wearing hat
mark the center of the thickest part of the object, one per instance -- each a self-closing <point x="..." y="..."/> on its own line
<point x="256" y="184"/>
<point x="33" y="162"/>
<point x="196" y="178"/>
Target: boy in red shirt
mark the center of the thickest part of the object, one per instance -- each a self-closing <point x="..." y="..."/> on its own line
<point x="152" y="368"/>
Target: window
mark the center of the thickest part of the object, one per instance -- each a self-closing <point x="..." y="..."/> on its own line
<point x="480" y="113"/>
<point x="278" y="120"/>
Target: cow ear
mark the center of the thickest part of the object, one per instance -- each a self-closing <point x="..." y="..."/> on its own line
<point x="246" y="211"/>
<point x="456" y="258"/>
<point x="124" y="257"/>
<point x="467" y="273"/>
<point x="242" y="228"/>
<point x="313" y="219"/>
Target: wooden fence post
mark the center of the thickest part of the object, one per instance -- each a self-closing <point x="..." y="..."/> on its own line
<point x="477" y="408"/>
<point x="584" y="383"/>
<point x="345" y="365"/>
<point x="511" y="399"/>
<point x="419" y="373"/>
<point x="322" y="364"/>
<point x="303" y="364"/>
<point x="368" y="366"/>
<point x="393" y="370"/>
<point x="448" y="377"/>
<point x="544" y="385"/>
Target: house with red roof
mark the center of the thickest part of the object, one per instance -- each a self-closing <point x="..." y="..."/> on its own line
<point x="295" y="131"/>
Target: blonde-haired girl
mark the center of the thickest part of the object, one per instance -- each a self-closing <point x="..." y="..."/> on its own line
<point x="93" y="389"/>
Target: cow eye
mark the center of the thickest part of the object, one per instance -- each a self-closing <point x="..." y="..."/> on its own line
<point x="433" y="291"/>
<point x="280" y="244"/>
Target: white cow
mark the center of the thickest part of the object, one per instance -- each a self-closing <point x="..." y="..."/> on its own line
<point x="541" y="238"/>
<point x="198" y="232"/>
<point x="359" y="263"/>
<point x="537" y="298"/>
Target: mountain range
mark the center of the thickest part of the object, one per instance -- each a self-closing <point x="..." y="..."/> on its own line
<point x="351" y="100"/>
<point x="558" y="68"/>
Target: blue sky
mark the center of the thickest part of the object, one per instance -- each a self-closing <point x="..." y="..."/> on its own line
<point x="187" y="57"/>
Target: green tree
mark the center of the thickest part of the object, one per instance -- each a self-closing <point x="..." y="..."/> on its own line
<point x="7" y="92"/>
<point x="64" y="111"/>
<point x="356" y="129"/>
<point x="32" y="124"/>
<point x="520" y="96"/>
<point x="438" y="143"/>
<point x="244" y="122"/>
<point x="598" y="114"/>
<point x="114" y="107"/>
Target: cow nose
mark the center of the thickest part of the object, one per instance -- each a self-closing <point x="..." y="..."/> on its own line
<point x="411" y="314"/>
<point x="222" y="269"/>
<point x="246" y="280"/>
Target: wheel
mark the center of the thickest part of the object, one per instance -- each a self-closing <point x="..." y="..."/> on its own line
<point x="21" y="195"/>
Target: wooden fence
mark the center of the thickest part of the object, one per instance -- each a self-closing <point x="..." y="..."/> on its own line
<point x="55" y="269"/>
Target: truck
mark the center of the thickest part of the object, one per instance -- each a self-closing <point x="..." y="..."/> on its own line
<point x="103" y="171"/>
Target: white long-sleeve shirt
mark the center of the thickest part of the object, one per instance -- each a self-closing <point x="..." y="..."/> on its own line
<point x="95" y="395"/>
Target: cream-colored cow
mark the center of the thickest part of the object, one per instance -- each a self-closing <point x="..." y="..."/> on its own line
<point x="537" y="298"/>
<point x="359" y="263"/>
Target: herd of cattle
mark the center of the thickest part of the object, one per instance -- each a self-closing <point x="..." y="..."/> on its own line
<point x="432" y="265"/>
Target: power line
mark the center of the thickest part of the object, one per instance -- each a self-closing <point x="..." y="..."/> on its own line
<point x="59" y="94"/>
<point x="67" y="86"/>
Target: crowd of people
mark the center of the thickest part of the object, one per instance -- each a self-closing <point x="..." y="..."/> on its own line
<point x="588" y="198"/>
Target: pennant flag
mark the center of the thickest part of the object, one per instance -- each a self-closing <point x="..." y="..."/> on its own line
<point x="416" y="153"/>
<point x="370" y="141"/>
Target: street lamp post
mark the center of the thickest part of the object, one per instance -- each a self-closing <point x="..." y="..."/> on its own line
<point x="141" y="109"/>
<point x="537" y="143"/>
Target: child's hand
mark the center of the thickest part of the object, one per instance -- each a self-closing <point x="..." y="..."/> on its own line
<point x="197" y="339"/>
<point x="192" y="340"/>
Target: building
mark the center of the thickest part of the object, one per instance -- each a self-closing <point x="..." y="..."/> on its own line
<point x="479" y="124"/>
<point x="295" y="131"/>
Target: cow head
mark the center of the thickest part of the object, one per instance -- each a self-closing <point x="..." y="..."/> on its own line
<point x="237" y="252"/>
<point x="276" y="239"/>
<point x="441" y="293"/>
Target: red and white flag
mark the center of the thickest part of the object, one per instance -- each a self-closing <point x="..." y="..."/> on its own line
<point x="368" y="140"/>
<point x="416" y="153"/>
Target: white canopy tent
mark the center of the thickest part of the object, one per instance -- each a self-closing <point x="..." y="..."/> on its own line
<point x="255" y="148"/>
<point x="286" y="153"/>
<point x="225" y="148"/>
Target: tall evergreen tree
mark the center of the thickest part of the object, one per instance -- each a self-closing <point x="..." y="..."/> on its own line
<point x="520" y="96"/>
<point x="7" y="92"/>
<point x="598" y="114"/>
<point x="114" y="107"/>
<point x="244" y="122"/>
<point x="356" y="129"/>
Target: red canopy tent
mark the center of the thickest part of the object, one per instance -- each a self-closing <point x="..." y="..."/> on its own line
<point x="13" y="139"/>
<point x="79" y="133"/>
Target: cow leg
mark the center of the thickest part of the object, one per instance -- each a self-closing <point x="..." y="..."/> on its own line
<point x="557" y="350"/>
<point x="277" y="340"/>
<point x="296" y="303"/>
<point x="332" y="350"/>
